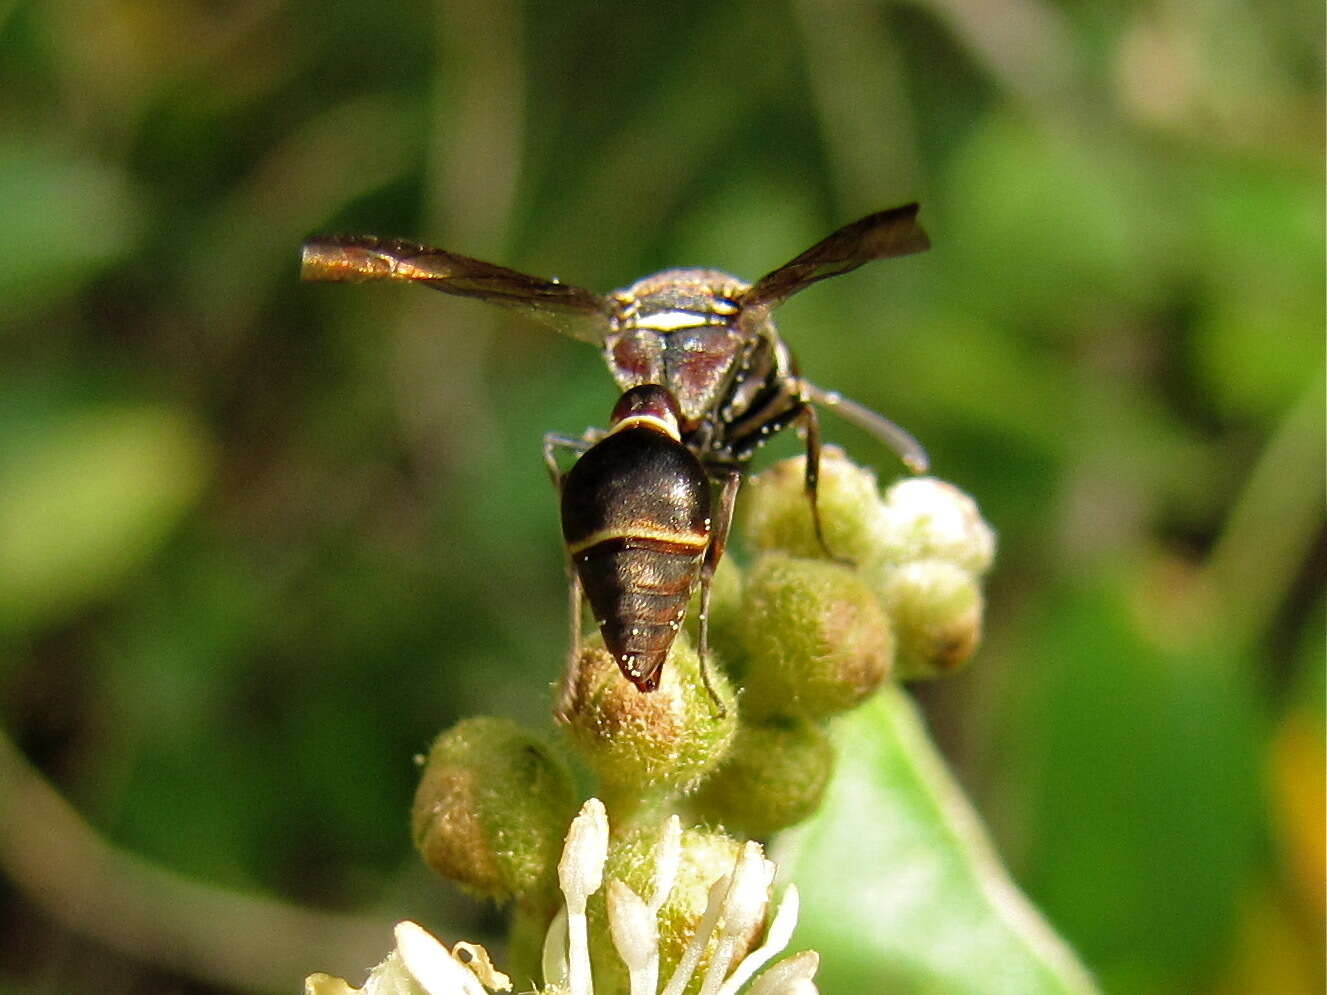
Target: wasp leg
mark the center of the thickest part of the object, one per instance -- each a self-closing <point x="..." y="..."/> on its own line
<point x="569" y="687"/>
<point x="908" y="449"/>
<point x="553" y="444"/>
<point x="723" y="520"/>
<point x="575" y="602"/>
<point x="811" y="429"/>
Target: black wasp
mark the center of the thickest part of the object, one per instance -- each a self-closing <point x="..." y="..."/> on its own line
<point x="706" y="380"/>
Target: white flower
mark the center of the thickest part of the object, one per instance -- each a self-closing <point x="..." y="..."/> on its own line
<point x="738" y="901"/>
<point x="420" y="965"/>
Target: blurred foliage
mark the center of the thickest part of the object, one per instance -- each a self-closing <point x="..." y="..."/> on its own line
<point x="259" y="542"/>
<point x="920" y="854"/>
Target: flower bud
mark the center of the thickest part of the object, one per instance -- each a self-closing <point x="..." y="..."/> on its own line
<point x="924" y="518"/>
<point x="706" y="856"/>
<point x="774" y="777"/>
<point x="817" y="641"/>
<point x="651" y="742"/>
<point x="936" y="608"/>
<point x="776" y="513"/>
<point x="491" y="809"/>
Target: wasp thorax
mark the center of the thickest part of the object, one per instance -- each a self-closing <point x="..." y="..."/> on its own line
<point x="679" y="328"/>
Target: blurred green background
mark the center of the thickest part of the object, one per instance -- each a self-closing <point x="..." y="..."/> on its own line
<point x="260" y="541"/>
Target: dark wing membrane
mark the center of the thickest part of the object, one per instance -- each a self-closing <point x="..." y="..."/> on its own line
<point x="878" y="236"/>
<point x="359" y="258"/>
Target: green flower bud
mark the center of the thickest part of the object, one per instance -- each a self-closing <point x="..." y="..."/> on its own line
<point x="936" y="608"/>
<point x="774" y="777"/>
<point x="925" y="518"/>
<point x="816" y="639"/>
<point x="776" y="514"/>
<point x="705" y="857"/>
<point x="645" y="744"/>
<point x="491" y="809"/>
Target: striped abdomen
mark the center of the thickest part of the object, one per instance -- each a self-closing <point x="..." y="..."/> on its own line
<point x="636" y="519"/>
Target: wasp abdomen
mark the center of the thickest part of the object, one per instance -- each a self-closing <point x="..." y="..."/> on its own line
<point x="639" y="597"/>
<point x="636" y="519"/>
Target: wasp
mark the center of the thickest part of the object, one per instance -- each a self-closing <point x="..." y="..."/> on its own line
<point x="706" y="379"/>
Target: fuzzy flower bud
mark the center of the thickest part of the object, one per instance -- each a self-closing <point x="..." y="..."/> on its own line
<point x="774" y="777"/>
<point x="936" y="608"/>
<point x="816" y="639"/>
<point x="777" y="515"/>
<point x="926" y="518"/>
<point x="646" y="742"/>
<point x="491" y="809"/>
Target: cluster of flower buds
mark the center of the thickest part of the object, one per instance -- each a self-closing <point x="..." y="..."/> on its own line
<point x="810" y="629"/>
<point x="921" y="550"/>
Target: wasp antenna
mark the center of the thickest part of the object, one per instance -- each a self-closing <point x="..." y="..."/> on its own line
<point x="897" y="438"/>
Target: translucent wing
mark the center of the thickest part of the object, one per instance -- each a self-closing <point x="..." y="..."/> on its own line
<point x="878" y="236"/>
<point x="358" y="258"/>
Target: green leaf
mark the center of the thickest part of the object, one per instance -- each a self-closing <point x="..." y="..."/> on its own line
<point x="1256" y="245"/>
<point x="901" y="890"/>
<point x="84" y="499"/>
<point x="1045" y="227"/>
<point x="66" y="219"/>
<point x="1136" y="741"/>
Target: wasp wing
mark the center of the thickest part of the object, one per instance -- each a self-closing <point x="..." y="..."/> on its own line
<point x="877" y="236"/>
<point x="571" y="310"/>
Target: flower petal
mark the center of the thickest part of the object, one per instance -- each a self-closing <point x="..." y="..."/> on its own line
<point x="635" y="933"/>
<point x="476" y="958"/>
<point x="581" y="869"/>
<point x="667" y="858"/>
<point x="554" y="963"/>
<point x="432" y="965"/>
<point x="789" y="976"/>
<point x="776" y="939"/>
